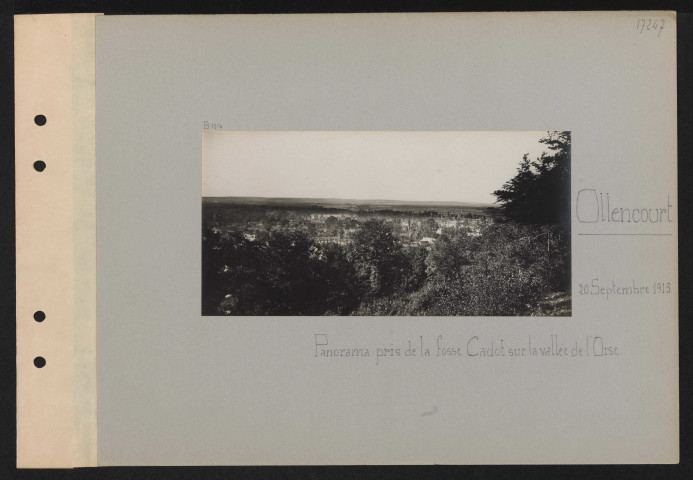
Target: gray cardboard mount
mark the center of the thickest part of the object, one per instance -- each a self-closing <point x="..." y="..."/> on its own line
<point x="176" y="388"/>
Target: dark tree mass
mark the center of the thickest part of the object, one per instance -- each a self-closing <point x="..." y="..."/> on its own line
<point x="540" y="192"/>
<point x="340" y="257"/>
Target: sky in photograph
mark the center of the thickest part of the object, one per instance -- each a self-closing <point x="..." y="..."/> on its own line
<point x="408" y="166"/>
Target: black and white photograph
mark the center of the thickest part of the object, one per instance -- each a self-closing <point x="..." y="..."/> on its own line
<point x="386" y="223"/>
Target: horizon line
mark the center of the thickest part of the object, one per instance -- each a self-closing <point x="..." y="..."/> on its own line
<point x="348" y="199"/>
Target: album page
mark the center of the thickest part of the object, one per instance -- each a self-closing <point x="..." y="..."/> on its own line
<point x="383" y="239"/>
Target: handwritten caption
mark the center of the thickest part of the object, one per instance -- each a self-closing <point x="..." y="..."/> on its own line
<point x="611" y="288"/>
<point x="593" y="206"/>
<point x="654" y="25"/>
<point x="474" y="347"/>
<point x="211" y="126"/>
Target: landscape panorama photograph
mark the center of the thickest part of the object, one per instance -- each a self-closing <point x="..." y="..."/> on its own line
<point x="386" y="223"/>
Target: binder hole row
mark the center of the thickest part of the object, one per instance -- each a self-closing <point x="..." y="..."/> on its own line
<point x="39" y="166"/>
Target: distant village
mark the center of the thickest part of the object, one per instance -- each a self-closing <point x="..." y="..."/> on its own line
<point x="412" y="228"/>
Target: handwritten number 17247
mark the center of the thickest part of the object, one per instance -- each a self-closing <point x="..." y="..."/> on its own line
<point x="653" y="25"/>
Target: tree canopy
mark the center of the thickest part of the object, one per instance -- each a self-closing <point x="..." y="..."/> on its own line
<point x="540" y="191"/>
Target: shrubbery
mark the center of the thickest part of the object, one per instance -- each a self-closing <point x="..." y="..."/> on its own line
<point x="506" y="270"/>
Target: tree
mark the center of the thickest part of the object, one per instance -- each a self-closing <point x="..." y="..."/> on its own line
<point x="504" y="271"/>
<point x="212" y="261"/>
<point x="429" y="227"/>
<point x="416" y="276"/>
<point x="540" y="191"/>
<point x="448" y="258"/>
<point x="331" y="225"/>
<point x="289" y="270"/>
<point x="331" y="221"/>
<point x="336" y="290"/>
<point x="377" y="257"/>
<point x="230" y="279"/>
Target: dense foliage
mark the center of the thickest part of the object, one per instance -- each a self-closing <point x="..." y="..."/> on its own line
<point x="540" y="192"/>
<point x="507" y="270"/>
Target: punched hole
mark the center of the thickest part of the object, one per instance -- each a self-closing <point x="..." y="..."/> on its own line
<point x="40" y="120"/>
<point x="39" y="362"/>
<point x="39" y="316"/>
<point x="39" y="165"/>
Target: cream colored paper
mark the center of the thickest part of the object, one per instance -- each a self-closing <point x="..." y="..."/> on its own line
<point x="56" y="249"/>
